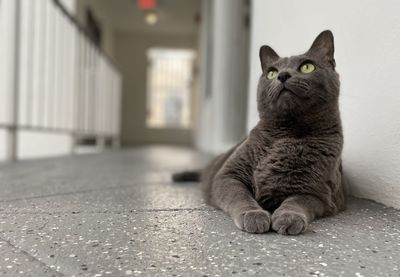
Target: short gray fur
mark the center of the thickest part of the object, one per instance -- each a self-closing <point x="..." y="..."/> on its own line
<point x="117" y="214"/>
<point x="288" y="170"/>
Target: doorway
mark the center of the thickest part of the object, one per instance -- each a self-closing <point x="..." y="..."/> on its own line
<point x="169" y="88"/>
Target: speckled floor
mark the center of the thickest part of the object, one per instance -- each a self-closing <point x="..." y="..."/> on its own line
<point x="117" y="214"/>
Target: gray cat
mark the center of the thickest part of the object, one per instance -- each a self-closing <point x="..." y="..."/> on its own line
<point x="288" y="170"/>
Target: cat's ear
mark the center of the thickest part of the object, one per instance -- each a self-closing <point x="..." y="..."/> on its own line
<point x="323" y="48"/>
<point x="267" y="55"/>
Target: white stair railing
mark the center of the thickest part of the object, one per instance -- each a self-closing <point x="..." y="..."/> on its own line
<point x="52" y="77"/>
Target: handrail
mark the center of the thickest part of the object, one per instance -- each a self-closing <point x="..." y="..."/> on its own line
<point x="83" y="31"/>
<point x="54" y="78"/>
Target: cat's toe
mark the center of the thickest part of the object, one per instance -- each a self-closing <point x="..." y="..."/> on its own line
<point x="289" y="223"/>
<point x="254" y="221"/>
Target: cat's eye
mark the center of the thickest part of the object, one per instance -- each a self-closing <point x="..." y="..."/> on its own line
<point x="272" y="74"/>
<point x="307" y="67"/>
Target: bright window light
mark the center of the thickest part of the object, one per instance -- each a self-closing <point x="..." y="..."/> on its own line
<point x="169" y="88"/>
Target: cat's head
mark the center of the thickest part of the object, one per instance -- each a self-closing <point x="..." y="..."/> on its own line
<point x="298" y="85"/>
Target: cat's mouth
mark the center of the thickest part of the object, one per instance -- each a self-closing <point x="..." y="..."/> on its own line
<point x="285" y="90"/>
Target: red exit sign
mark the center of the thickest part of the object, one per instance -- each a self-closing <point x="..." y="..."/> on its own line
<point x="147" y="4"/>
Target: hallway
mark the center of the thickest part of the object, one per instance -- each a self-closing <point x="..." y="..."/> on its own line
<point x="118" y="214"/>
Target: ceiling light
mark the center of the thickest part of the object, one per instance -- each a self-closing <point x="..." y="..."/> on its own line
<point x="151" y="18"/>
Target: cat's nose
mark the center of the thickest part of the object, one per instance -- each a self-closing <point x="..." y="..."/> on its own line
<point x="283" y="76"/>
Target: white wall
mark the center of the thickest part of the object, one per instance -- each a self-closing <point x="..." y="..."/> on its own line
<point x="367" y="36"/>
<point x="39" y="144"/>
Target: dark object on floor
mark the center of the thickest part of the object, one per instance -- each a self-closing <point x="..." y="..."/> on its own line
<point x="186" y="176"/>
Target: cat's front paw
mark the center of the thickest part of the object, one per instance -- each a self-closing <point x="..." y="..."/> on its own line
<point x="254" y="221"/>
<point x="289" y="223"/>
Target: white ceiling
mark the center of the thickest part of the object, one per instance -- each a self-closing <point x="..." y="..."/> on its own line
<point x="175" y="16"/>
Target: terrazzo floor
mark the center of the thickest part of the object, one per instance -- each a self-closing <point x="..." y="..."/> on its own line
<point x="118" y="214"/>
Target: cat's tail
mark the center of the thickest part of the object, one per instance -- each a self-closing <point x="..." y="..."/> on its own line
<point x="187" y="176"/>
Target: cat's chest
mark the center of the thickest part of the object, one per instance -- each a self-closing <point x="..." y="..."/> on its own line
<point x="280" y="160"/>
<point x="281" y="155"/>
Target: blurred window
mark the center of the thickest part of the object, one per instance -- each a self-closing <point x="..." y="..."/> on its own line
<point x="169" y="87"/>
